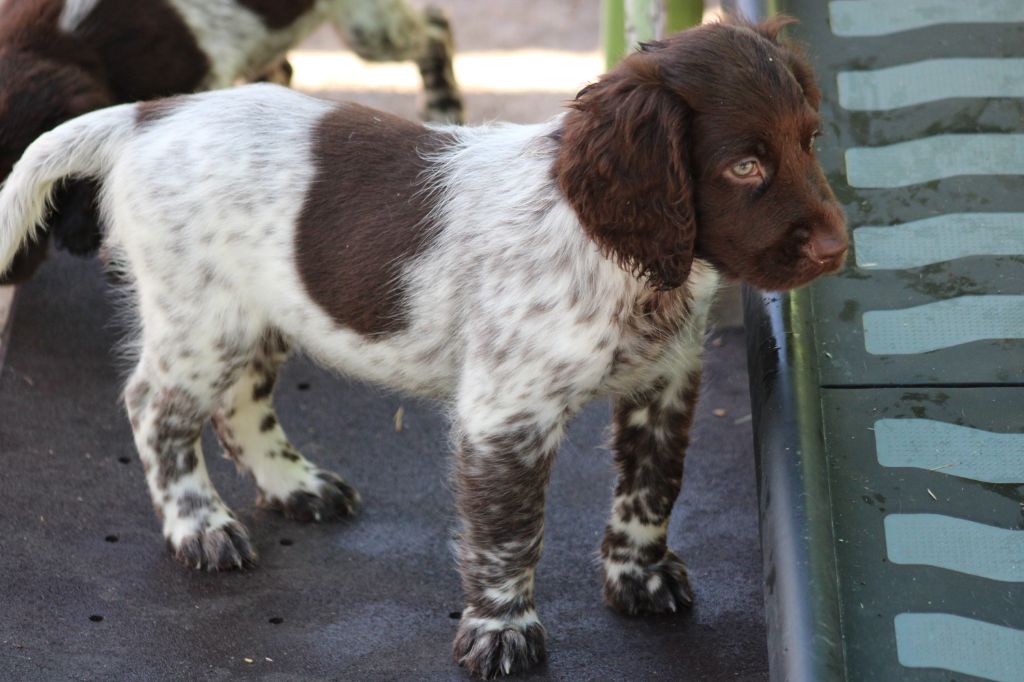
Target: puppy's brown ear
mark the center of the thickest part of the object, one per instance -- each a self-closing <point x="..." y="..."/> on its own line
<point x="624" y="167"/>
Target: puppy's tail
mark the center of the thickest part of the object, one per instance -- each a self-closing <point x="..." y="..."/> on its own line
<point x="84" y="147"/>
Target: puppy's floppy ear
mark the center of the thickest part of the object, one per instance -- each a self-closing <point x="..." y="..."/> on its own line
<point x="624" y="167"/>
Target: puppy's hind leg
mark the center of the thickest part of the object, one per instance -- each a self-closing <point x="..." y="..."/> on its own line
<point x="252" y="437"/>
<point x="182" y="372"/>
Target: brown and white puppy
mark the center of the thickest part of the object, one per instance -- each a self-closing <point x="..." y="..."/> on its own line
<point x="516" y="272"/>
<point x="63" y="58"/>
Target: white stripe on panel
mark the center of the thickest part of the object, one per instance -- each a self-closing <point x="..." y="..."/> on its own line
<point x="943" y="324"/>
<point x="951" y="449"/>
<point x="928" y="81"/>
<point x="939" y="239"/>
<point x="963" y="645"/>
<point x="882" y="17"/>
<point x="955" y="545"/>
<point x="933" y="158"/>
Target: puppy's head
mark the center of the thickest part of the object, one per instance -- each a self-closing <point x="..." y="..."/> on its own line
<point x="702" y="145"/>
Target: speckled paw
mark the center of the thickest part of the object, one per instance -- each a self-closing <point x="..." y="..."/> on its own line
<point x="662" y="587"/>
<point x="491" y="648"/>
<point x="222" y="548"/>
<point x="330" y="499"/>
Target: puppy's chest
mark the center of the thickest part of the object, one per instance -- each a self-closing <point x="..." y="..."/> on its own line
<point x="662" y="335"/>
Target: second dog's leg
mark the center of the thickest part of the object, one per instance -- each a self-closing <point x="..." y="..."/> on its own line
<point x="393" y="30"/>
<point x="442" y="101"/>
<point x="651" y="435"/>
<point x="252" y="437"/>
<point x="280" y="73"/>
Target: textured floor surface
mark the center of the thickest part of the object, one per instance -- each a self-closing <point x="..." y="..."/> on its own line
<point x="88" y="591"/>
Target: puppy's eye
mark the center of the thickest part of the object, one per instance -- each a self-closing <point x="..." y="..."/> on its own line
<point x="746" y="169"/>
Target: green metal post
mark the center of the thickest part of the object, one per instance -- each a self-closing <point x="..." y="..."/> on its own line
<point x="677" y="15"/>
<point x="643" y="15"/>
<point x="683" y="14"/>
<point x="614" y="30"/>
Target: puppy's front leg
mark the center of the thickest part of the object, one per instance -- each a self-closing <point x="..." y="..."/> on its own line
<point x="501" y="477"/>
<point x="651" y="435"/>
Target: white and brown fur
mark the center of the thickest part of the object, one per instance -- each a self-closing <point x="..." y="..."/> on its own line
<point x="454" y="263"/>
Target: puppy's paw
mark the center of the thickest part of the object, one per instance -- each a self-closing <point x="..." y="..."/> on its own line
<point x="325" y="496"/>
<point x="215" y="542"/>
<point x="661" y="587"/>
<point x="490" y="647"/>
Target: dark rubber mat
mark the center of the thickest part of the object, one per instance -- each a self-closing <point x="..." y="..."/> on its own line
<point x="889" y="399"/>
<point x="89" y="592"/>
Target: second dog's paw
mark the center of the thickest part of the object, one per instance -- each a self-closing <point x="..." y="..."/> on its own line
<point x="662" y="587"/>
<point x="215" y="544"/>
<point x="328" y="498"/>
<point x="490" y="647"/>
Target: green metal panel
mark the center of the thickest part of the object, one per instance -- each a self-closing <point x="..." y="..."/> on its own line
<point x="683" y="14"/>
<point x="873" y="588"/>
<point x="613" y="29"/>
<point x="839" y="303"/>
<point x="907" y="369"/>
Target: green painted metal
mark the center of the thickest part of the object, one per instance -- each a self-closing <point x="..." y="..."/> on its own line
<point x="895" y="390"/>
<point x="640" y="15"/>
<point x="613" y="29"/>
<point x="873" y="589"/>
<point x="683" y="14"/>
<point x="679" y="15"/>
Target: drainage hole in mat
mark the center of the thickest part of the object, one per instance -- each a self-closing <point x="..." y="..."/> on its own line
<point x="455" y="615"/>
<point x="96" y="618"/>
<point x="111" y="538"/>
<point x="124" y="460"/>
<point x="303" y="386"/>
<point x="276" y="620"/>
<point x="287" y="542"/>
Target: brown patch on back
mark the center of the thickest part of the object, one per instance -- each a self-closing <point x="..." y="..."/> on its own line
<point x="364" y="216"/>
<point x="156" y="109"/>
<point x="278" y="14"/>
